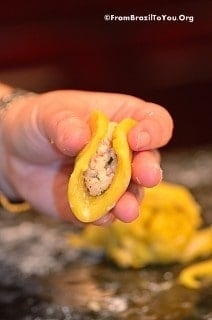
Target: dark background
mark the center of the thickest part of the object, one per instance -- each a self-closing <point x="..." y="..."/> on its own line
<point x="50" y="45"/>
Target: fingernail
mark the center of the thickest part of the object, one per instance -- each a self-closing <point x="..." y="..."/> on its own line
<point x="151" y="176"/>
<point x="142" y="140"/>
<point x="160" y="175"/>
<point x="105" y="221"/>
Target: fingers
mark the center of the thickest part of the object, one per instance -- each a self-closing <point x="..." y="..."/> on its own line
<point x="146" y="172"/>
<point x="71" y="110"/>
<point x="146" y="169"/>
<point x="106" y="220"/>
<point x="67" y="131"/>
<point x="127" y="208"/>
<point x="155" y="125"/>
<point x="67" y="128"/>
<point x="153" y="130"/>
<point x="70" y="135"/>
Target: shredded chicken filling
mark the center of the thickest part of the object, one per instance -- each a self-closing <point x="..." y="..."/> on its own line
<point x="100" y="173"/>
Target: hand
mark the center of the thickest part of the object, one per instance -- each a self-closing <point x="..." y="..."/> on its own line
<point x="42" y="134"/>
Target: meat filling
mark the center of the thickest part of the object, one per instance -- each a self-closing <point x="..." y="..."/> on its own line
<point x="99" y="175"/>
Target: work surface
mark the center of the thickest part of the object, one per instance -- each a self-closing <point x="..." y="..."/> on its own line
<point x="42" y="278"/>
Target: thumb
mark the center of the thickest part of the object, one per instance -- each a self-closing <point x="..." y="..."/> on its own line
<point x="67" y="132"/>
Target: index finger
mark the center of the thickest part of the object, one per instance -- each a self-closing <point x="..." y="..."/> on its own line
<point x="155" y="124"/>
<point x="154" y="128"/>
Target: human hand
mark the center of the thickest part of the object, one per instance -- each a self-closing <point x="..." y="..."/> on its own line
<point x="42" y="134"/>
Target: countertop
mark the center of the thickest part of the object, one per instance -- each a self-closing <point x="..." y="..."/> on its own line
<point x="43" y="278"/>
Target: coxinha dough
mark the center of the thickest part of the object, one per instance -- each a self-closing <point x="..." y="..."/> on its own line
<point x="102" y="170"/>
<point x="168" y="230"/>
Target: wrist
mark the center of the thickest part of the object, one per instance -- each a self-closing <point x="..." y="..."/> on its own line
<point x="10" y="98"/>
<point x="6" y="186"/>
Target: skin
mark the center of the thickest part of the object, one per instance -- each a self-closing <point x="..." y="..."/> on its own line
<point x="40" y="136"/>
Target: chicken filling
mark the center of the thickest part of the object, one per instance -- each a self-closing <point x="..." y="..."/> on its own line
<point x="102" y="166"/>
